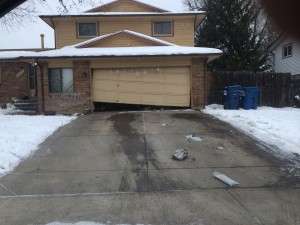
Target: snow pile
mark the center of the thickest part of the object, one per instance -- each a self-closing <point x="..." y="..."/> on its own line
<point x="8" y="110"/>
<point x="279" y="127"/>
<point x="21" y="135"/>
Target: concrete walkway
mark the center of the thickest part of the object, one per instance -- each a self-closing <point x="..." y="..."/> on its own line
<point x="117" y="167"/>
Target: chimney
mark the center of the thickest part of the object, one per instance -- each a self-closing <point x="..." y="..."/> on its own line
<point x="42" y="41"/>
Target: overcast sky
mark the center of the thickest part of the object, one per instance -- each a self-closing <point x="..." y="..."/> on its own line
<point x="27" y="34"/>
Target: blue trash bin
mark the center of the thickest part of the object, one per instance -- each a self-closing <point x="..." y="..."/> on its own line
<point x="232" y="96"/>
<point x="251" y="98"/>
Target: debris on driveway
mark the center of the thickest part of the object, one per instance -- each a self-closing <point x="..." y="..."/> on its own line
<point x="164" y="124"/>
<point x="225" y="179"/>
<point x="220" y="148"/>
<point x="193" y="137"/>
<point x="180" y="155"/>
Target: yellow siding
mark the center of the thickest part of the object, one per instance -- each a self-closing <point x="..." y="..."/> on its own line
<point x="65" y="28"/>
<point x="122" y="40"/>
<point x="125" y="6"/>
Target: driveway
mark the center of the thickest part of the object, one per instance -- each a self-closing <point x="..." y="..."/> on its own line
<point x="117" y="168"/>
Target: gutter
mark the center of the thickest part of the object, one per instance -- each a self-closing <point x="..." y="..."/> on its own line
<point x="109" y="56"/>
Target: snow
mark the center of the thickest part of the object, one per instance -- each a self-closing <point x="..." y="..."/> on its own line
<point x="20" y="136"/>
<point x="127" y="32"/>
<point x="276" y="127"/>
<point x="71" y="51"/>
<point x="124" y="14"/>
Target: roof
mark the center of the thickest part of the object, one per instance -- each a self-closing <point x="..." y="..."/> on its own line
<point x="7" y="5"/>
<point x="135" y="1"/>
<point x="73" y="52"/>
<point x="26" y="49"/>
<point x="110" y="14"/>
<point x="133" y="33"/>
<point x="200" y="15"/>
<point x="278" y="41"/>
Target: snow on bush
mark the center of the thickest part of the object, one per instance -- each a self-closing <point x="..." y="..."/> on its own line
<point x="278" y="127"/>
<point x="21" y="135"/>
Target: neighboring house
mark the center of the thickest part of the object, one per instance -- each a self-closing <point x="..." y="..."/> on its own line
<point x="122" y="52"/>
<point x="285" y="55"/>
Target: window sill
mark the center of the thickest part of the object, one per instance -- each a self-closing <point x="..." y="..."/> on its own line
<point x="162" y="35"/>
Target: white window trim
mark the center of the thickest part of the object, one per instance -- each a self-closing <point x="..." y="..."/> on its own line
<point x="285" y="47"/>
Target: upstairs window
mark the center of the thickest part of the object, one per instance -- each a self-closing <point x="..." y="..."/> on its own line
<point x="86" y="30"/>
<point x="287" y="51"/>
<point x="162" y="28"/>
<point x="60" y="80"/>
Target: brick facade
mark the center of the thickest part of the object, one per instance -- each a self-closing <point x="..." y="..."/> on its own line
<point x="79" y="101"/>
<point x="13" y="81"/>
<point x="198" y="86"/>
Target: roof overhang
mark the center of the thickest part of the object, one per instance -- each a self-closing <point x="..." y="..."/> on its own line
<point x="198" y="15"/>
<point x="141" y="36"/>
<point x="92" y="53"/>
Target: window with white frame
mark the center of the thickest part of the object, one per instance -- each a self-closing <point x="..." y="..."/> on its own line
<point x="61" y="80"/>
<point x="287" y="51"/>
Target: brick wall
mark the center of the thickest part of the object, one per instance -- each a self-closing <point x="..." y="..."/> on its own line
<point x="79" y="101"/>
<point x="198" y="70"/>
<point x="13" y="81"/>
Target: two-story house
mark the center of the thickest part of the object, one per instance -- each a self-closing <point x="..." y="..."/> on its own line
<point x="126" y="52"/>
<point x="285" y="55"/>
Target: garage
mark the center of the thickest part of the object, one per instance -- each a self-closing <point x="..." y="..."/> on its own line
<point x="160" y="86"/>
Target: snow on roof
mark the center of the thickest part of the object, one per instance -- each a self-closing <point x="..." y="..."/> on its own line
<point x="123" y="14"/>
<point x="140" y="35"/>
<point x="72" y="52"/>
<point x="137" y="1"/>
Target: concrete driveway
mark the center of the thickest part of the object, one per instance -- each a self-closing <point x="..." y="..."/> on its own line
<point x="117" y="167"/>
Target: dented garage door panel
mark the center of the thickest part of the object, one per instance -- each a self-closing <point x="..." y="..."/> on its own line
<point x="168" y="86"/>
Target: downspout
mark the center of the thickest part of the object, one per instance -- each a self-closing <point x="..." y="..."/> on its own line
<point x="36" y="64"/>
<point x="42" y="86"/>
<point x="195" y="29"/>
<point x="205" y="82"/>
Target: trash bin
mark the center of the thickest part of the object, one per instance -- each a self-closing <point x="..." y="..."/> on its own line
<point x="251" y="98"/>
<point x="232" y="96"/>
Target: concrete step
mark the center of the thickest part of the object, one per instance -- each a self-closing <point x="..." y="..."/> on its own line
<point x="29" y="105"/>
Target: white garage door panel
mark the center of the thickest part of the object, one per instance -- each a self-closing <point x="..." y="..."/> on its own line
<point x="169" y="86"/>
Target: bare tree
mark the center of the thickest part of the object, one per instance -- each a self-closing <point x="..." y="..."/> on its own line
<point x="28" y="11"/>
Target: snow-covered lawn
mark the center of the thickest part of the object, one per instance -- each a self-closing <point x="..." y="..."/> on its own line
<point x="21" y="135"/>
<point x="278" y="127"/>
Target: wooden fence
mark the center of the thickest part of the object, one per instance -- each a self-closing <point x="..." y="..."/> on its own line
<point x="277" y="89"/>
